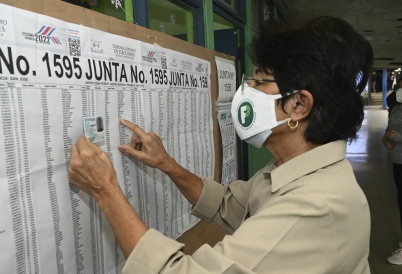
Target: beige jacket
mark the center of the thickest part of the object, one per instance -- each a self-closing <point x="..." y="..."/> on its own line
<point x="308" y="215"/>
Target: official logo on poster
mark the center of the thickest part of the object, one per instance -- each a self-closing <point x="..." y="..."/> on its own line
<point x="96" y="46"/>
<point x="124" y="52"/>
<point x="45" y="35"/>
<point x="150" y="57"/>
<point x="3" y="24"/>
<point x="199" y="68"/>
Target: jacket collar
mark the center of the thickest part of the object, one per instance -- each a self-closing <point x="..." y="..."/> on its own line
<point x="306" y="163"/>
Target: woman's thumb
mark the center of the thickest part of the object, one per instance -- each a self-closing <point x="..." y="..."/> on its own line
<point x="126" y="149"/>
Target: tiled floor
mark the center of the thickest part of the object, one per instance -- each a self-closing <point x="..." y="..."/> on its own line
<point x="373" y="170"/>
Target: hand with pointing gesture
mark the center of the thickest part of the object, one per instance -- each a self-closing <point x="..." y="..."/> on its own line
<point x="92" y="171"/>
<point x="149" y="149"/>
<point x="146" y="147"/>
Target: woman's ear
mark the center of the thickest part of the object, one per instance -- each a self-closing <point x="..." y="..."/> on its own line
<point x="302" y="105"/>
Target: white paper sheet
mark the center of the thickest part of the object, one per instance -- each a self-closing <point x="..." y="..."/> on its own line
<point x="227" y="89"/>
<point x="52" y="74"/>
<point x="226" y="79"/>
<point x="229" y="146"/>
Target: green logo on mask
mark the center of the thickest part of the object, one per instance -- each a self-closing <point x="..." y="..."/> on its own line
<point x="245" y="114"/>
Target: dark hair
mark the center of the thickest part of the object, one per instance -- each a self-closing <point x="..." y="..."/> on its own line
<point x="328" y="58"/>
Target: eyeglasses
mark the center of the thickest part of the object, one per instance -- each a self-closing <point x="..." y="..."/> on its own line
<point x="247" y="79"/>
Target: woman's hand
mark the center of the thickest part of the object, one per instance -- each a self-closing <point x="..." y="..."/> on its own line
<point x="146" y="147"/>
<point x="149" y="149"/>
<point x="91" y="170"/>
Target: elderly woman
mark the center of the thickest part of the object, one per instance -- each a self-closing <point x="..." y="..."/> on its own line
<point x="302" y="213"/>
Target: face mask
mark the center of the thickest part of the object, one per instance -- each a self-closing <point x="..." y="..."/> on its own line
<point x="258" y="139"/>
<point x="399" y="95"/>
<point x="254" y="115"/>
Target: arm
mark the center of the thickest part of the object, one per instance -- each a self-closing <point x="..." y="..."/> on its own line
<point x="91" y="170"/>
<point x="392" y="136"/>
<point x="225" y="205"/>
<point x="387" y="143"/>
<point x="256" y="246"/>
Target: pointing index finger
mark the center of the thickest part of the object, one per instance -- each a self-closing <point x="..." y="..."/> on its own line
<point x="135" y="128"/>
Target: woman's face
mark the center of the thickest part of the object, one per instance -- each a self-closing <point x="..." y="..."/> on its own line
<point x="297" y="108"/>
<point x="272" y="89"/>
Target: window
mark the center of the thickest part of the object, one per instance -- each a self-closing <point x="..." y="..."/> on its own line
<point x="231" y="4"/>
<point x="172" y="19"/>
<point x="106" y="7"/>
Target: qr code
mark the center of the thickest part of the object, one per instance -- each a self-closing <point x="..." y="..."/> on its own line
<point x="163" y="62"/>
<point x="75" y="46"/>
<point x="223" y="116"/>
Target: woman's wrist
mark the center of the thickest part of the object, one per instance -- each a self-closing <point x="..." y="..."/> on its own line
<point x="169" y="166"/>
<point x="112" y="194"/>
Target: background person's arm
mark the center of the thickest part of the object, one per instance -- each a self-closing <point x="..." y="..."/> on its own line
<point x="393" y="136"/>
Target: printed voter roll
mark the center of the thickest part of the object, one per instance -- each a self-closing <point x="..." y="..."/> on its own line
<point x="60" y="80"/>
<point x="228" y="145"/>
<point x="93" y="128"/>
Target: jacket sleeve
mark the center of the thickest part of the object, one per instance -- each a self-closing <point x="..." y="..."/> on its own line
<point x="156" y="253"/>
<point x="267" y="240"/>
<point x="223" y="204"/>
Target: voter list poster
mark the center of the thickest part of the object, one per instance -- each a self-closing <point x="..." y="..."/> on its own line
<point x="53" y="75"/>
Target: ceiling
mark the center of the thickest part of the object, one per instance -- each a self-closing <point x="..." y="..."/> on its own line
<point x="380" y="21"/>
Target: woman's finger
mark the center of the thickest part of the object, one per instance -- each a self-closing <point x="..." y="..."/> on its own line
<point x="82" y="143"/>
<point x="93" y="146"/>
<point x="135" y="141"/>
<point x="132" y="152"/>
<point x="134" y="128"/>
